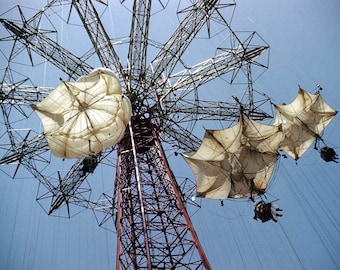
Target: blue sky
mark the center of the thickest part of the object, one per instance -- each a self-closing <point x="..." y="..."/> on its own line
<point x="304" y="37"/>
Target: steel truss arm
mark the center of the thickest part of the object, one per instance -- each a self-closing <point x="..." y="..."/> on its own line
<point x="21" y="94"/>
<point x="16" y="96"/>
<point x="22" y="148"/>
<point x="174" y="134"/>
<point x="199" y="74"/>
<point x="192" y="110"/>
<point x="69" y="185"/>
<point x="37" y="41"/>
<point x="23" y="152"/>
<point x="173" y="49"/>
<point x="27" y="154"/>
<point x="139" y="37"/>
<point x="137" y="74"/>
<point x="30" y="150"/>
<point x="97" y="34"/>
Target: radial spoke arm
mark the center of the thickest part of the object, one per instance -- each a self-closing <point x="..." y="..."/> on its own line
<point x="21" y="94"/>
<point x="69" y="185"/>
<point x="139" y="36"/>
<point x="199" y="74"/>
<point x="191" y="110"/>
<point x="40" y="43"/>
<point x="187" y="110"/>
<point x="25" y="149"/>
<point x="26" y="153"/>
<point x="176" y="135"/>
<point x="98" y="36"/>
<point x="173" y="49"/>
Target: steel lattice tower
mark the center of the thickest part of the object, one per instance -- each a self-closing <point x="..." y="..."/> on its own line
<point x="149" y="210"/>
<point x="154" y="229"/>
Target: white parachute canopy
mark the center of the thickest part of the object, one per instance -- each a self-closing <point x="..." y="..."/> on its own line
<point x="237" y="161"/>
<point x="302" y="122"/>
<point x="84" y="117"/>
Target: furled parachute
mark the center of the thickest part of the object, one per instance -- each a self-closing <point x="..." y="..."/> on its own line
<point x="302" y="122"/>
<point x="82" y="118"/>
<point x="237" y="161"/>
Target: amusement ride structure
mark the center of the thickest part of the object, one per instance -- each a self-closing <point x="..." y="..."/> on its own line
<point x="126" y="116"/>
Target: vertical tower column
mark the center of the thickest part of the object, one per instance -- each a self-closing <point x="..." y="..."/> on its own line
<point x="154" y="229"/>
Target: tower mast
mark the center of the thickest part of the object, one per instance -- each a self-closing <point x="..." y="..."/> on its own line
<point x="154" y="229"/>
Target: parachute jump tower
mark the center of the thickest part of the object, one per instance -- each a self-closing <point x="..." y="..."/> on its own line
<point x="162" y="106"/>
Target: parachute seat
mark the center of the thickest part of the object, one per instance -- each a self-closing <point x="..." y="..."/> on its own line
<point x="266" y="211"/>
<point x="89" y="164"/>
<point x="328" y="154"/>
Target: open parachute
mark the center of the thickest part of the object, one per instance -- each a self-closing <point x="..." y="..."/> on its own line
<point x="238" y="161"/>
<point x="82" y="118"/>
<point x="303" y="121"/>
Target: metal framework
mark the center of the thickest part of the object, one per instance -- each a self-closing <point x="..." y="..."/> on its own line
<point x="148" y="207"/>
<point x="154" y="229"/>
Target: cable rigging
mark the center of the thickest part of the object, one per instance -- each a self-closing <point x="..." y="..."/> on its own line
<point x="318" y="226"/>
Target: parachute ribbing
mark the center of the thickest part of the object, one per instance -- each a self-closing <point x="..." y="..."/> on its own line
<point x="233" y="162"/>
<point x="239" y="161"/>
<point x="303" y="121"/>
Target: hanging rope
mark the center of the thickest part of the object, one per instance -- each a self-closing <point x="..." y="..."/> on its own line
<point x="318" y="226"/>
<point x="292" y="246"/>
